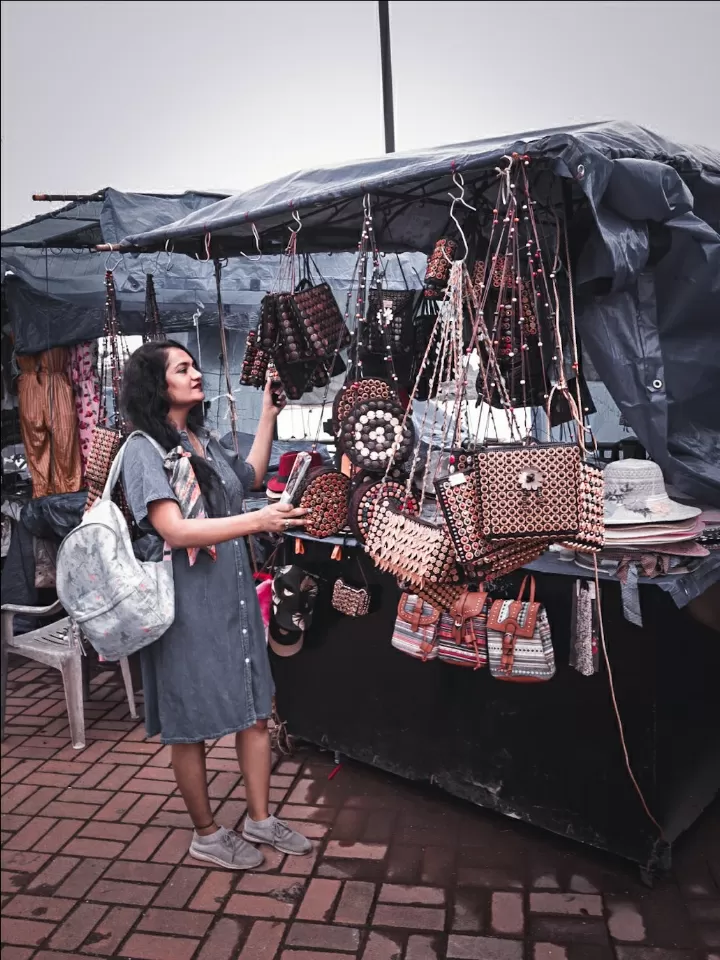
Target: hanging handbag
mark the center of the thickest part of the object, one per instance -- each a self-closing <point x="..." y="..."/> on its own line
<point x="412" y="549"/>
<point x="462" y="631"/>
<point x="591" y="536"/>
<point x="253" y="372"/>
<point x="518" y="637"/>
<point x="377" y="433"/>
<point x="530" y="490"/>
<point x="416" y="628"/>
<point x="350" y="601"/>
<point x="390" y="321"/>
<point x="439" y="263"/>
<point x="371" y="491"/>
<point x="458" y="499"/>
<point x="317" y="314"/>
<point x="325" y="493"/>
<point x="358" y="391"/>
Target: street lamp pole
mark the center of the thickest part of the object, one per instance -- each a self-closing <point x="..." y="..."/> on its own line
<point x="387" y="84"/>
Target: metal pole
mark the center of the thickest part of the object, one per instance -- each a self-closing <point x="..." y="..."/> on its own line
<point x="387" y="85"/>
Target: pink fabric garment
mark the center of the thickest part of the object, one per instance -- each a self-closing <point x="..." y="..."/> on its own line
<point x="264" y="594"/>
<point x="86" y="387"/>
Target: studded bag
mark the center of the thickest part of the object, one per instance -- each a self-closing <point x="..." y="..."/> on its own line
<point x="325" y="494"/>
<point x="530" y="491"/>
<point x="519" y="641"/>
<point x="416" y="628"/>
<point x="255" y="363"/>
<point x="350" y="601"/>
<point x="358" y="391"/>
<point x="439" y="262"/>
<point x="392" y="310"/>
<point x="376" y="433"/>
<point x="413" y="550"/>
<point x="372" y="491"/>
<point x="318" y="316"/>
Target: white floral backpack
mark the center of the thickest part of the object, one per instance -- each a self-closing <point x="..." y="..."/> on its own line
<point x="119" y="603"/>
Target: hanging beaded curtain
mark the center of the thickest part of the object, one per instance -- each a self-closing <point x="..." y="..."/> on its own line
<point x="153" y="325"/>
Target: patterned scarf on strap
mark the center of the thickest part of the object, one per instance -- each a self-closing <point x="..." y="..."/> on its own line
<point x="187" y="490"/>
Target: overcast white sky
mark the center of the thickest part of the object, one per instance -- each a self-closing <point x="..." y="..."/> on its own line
<point x="224" y="95"/>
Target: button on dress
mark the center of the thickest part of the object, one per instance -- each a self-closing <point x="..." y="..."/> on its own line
<point x="209" y="674"/>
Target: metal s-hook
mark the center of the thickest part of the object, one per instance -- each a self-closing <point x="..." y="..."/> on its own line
<point x="256" y="236"/>
<point x="504" y="173"/>
<point x="460" y="184"/>
<point x="298" y="221"/>
<point x="206" y="258"/>
<point x="113" y="268"/>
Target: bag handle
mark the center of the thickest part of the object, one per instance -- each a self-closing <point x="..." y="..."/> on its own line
<point x="522" y="589"/>
<point x="114" y="474"/>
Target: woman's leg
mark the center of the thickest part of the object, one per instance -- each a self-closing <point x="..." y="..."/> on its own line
<point x="188" y="764"/>
<point x="254" y="757"/>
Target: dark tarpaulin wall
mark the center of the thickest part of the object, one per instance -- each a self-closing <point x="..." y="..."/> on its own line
<point x="644" y="241"/>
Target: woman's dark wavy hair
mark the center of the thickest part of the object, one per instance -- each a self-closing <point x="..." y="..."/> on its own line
<point x="145" y="403"/>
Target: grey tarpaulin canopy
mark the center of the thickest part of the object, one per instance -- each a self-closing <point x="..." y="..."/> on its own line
<point x="55" y="287"/>
<point x="645" y="243"/>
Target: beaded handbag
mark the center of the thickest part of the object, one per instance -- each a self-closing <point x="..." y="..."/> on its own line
<point x="358" y="391"/>
<point x="318" y="316"/>
<point x="392" y="310"/>
<point x="255" y="363"/>
<point x="372" y="491"/>
<point x="350" y="601"/>
<point x="377" y="433"/>
<point x="439" y="264"/>
<point x="413" y="550"/>
<point x="530" y="491"/>
<point x="325" y="494"/>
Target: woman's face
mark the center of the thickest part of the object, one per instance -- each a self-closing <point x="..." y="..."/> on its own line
<point x="184" y="380"/>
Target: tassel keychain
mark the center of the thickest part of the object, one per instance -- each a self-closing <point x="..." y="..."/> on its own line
<point x="299" y="546"/>
<point x="337" y="553"/>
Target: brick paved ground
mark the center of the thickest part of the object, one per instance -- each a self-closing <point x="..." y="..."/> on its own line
<point x="94" y="863"/>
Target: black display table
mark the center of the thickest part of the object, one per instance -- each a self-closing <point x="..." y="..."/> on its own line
<point x="549" y="754"/>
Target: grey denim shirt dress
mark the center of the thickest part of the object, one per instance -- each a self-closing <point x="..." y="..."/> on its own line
<point x="209" y="674"/>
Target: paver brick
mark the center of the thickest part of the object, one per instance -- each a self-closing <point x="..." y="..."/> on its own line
<point x="410" y="918"/>
<point x="78" y="926"/>
<point x="111" y="931"/>
<point x="223" y="940"/>
<point x="263" y="940"/>
<point x="483" y="948"/>
<point x="319" y="936"/>
<point x="146" y="946"/>
<point x="319" y="900"/>
<point x="355" y="903"/>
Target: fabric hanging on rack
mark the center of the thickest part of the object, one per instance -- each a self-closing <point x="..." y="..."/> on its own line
<point x="82" y="370"/>
<point x="48" y="423"/>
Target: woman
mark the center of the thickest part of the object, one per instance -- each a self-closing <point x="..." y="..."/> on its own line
<point x="209" y="675"/>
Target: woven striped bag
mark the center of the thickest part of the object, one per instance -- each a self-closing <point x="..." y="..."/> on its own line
<point x="462" y="631"/>
<point x="519" y="643"/>
<point x="415" y="630"/>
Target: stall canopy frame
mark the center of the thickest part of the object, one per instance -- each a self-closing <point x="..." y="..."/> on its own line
<point x="645" y="243"/>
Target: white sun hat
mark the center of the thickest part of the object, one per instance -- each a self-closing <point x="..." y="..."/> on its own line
<point x="635" y="493"/>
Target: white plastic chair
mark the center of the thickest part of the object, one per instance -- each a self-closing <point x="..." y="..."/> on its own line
<point x="56" y="645"/>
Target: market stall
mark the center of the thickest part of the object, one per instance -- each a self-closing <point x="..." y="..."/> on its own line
<point x="444" y="650"/>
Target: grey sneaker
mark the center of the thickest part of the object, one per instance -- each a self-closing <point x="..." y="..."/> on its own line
<point x="227" y="849"/>
<point x="276" y="833"/>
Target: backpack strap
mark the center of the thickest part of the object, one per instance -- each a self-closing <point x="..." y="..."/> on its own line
<point x="116" y="467"/>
